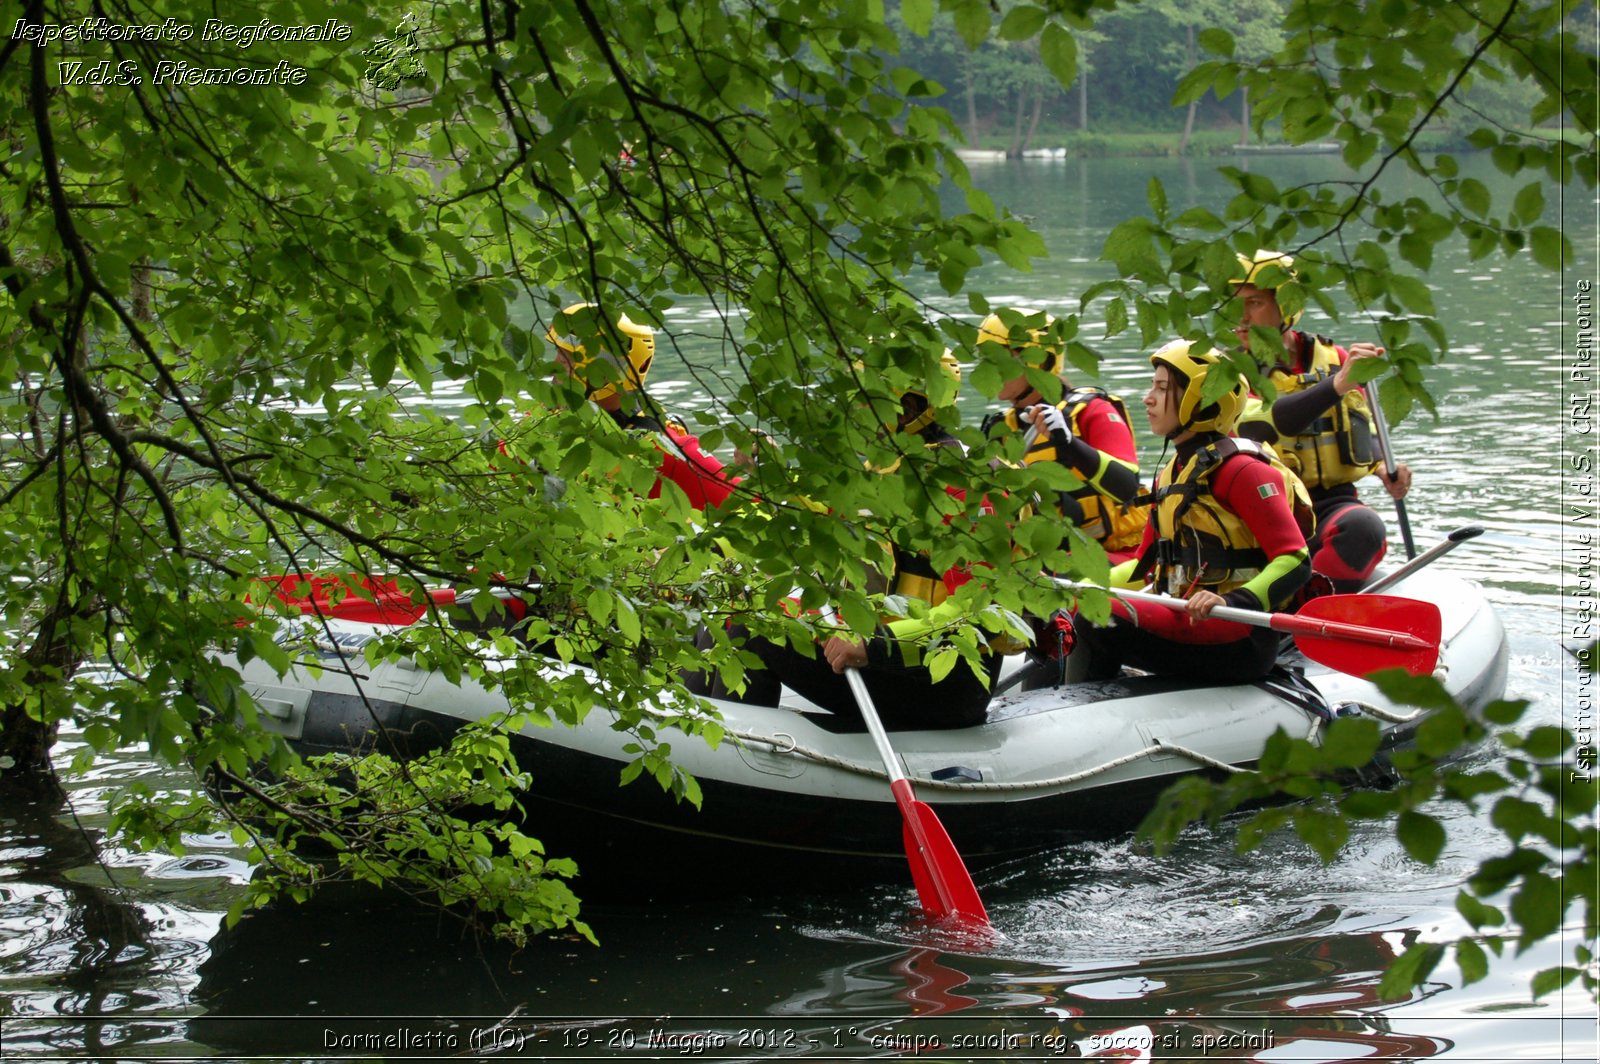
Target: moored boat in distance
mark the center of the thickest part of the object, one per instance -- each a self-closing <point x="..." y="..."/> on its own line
<point x="782" y="793"/>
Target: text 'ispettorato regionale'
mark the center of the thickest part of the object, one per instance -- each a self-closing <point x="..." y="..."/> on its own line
<point x="169" y="71"/>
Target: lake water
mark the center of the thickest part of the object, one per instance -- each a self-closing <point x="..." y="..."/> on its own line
<point x="1199" y="954"/>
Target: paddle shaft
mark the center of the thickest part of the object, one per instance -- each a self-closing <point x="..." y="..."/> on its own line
<point x="1426" y="558"/>
<point x="1280" y="622"/>
<point x="1381" y="426"/>
<point x="936" y="866"/>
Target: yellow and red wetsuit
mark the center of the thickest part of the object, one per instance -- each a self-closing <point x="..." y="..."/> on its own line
<point x="1227" y="518"/>
<point x="1328" y="440"/>
<point x="1102" y="454"/>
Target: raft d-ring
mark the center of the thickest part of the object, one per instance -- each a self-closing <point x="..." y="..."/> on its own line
<point x="777" y="749"/>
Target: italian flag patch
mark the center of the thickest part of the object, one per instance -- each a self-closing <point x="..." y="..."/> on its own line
<point x="1268" y="490"/>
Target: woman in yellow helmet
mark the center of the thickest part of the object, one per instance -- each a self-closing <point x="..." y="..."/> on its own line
<point x="1227" y="527"/>
<point x="586" y="346"/>
<point x="1087" y="431"/>
<point x="1319" y="424"/>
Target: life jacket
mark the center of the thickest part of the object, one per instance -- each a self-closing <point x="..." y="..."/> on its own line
<point x="1117" y="525"/>
<point x="1338" y="447"/>
<point x="1201" y="544"/>
<point x="911" y="573"/>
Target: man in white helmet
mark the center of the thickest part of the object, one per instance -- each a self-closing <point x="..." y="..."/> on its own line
<point x="1320" y="425"/>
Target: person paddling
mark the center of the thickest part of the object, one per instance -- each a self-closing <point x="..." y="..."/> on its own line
<point x="1228" y="523"/>
<point x="1087" y="431"/>
<point x="901" y="685"/>
<point x="1320" y="424"/>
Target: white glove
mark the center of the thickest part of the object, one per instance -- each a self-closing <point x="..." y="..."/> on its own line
<point x="1047" y="418"/>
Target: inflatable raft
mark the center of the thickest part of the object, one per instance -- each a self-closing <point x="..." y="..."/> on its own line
<point x="783" y="793"/>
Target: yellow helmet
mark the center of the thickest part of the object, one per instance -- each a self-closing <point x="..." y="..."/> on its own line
<point x="569" y="333"/>
<point x="1191" y="370"/>
<point x="950" y="366"/>
<point x="1253" y="267"/>
<point x="994" y="331"/>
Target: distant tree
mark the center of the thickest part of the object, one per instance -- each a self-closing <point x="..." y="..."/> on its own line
<point x="1190" y="19"/>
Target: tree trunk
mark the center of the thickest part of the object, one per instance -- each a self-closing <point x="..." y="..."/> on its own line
<point x="26" y="772"/>
<point x="1015" y="149"/>
<point x="1033" y="123"/>
<point x="1083" y="100"/>
<point x="1244" y="115"/>
<point x="972" y="107"/>
<point x="1188" y="121"/>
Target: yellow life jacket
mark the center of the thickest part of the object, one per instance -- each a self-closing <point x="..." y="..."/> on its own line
<point x="1201" y="544"/>
<point x="1338" y="448"/>
<point x="911" y="573"/>
<point x="1117" y="525"/>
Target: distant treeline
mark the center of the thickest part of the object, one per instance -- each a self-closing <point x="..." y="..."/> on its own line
<point x="1128" y="68"/>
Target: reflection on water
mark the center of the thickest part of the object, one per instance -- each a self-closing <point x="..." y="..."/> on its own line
<point x="1105" y="948"/>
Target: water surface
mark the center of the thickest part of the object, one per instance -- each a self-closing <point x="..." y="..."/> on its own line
<point x="1201" y="953"/>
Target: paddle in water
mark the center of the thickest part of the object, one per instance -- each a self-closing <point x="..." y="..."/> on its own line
<point x="943" y="884"/>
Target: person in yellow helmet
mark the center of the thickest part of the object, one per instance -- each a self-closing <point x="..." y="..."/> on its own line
<point x="1087" y="431"/>
<point x="1227" y="526"/>
<point x="611" y="362"/>
<point x="903" y="689"/>
<point x="1320" y="425"/>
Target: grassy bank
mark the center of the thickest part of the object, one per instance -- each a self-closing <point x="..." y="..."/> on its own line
<point x="1207" y="142"/>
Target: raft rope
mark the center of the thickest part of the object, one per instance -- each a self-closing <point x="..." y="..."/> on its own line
<point x="1384" y="714"/>
<point x="794" y="750"/>
<point x="787" y="746"/>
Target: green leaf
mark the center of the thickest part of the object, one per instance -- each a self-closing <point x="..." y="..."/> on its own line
<point x="1194" y="85"/>
<point x="1116" y="317"/>
<point x="1021" y="23"/>
<point x="1216" y="41"/>
<point x="1477" y="913"/>
<point x="972" y="21"/>
<point x="1474" y="197"/>
<point x="1529" y="204"/>
<point x="1413" y="966"/>
<point x="1551" y="248"/>
<point x="1412" y="293"/>
<point x="1422" y="836"/>
<point x="1537" y="908"/>
<point x="1472" y="961"/>
<point x="1059" y="50"/>
<point x="1324" y="832"/>
<point x="1157" y="195"/>
<point x="1549" y="980"/>
<point x="1351" y="742"/>
<point x="918" y="16"/>
<point x="1546" y="742"/>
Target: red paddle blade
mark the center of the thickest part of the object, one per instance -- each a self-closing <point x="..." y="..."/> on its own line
<point x="943" y="884"/>
<point x="1361" y="634"/>
<point x="388" y="604"/>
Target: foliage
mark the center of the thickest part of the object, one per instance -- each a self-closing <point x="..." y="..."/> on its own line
<point x="300" y="326"/>
<point x="239" y="316"/>
<point x="1374" y="80"/>
<point x="1544" y="810"/>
